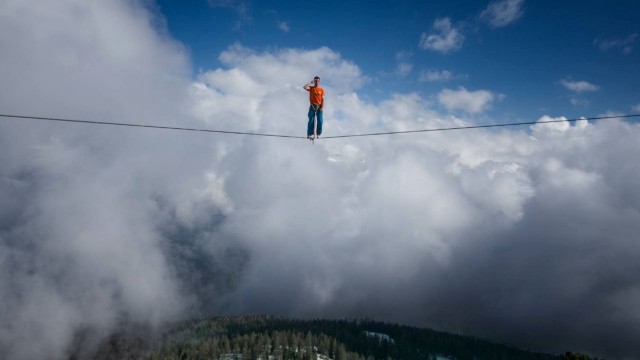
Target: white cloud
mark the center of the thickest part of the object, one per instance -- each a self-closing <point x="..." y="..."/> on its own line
<point x="469" y="101"/>
<point x="636" y="107"/>
<point x="289" y="66"/>
<point x="404" y="69"/>
<point x="92" y="249"/>
<point x="284" y="26"/>
<point x="578" y="101"/>
<point x="502" y="12"/>
<point x="435" y="75"/>
<point x="625" y="44"/>
<point x="578" y="86"/>
<point x="404" y="66"/>
<point x="444" y="37"/>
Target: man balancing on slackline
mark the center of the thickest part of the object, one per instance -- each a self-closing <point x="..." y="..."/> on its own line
<point x="316" y="97"/>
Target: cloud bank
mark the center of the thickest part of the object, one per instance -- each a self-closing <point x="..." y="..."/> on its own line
<point x="526" y="236"/>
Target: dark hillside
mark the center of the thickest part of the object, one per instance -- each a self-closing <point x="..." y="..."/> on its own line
<point x="260" y="337"/>
<point x="269" y="338"/>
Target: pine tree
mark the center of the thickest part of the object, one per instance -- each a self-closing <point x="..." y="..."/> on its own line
<point x="226" y="345"/>
<point x="341" y="353"/>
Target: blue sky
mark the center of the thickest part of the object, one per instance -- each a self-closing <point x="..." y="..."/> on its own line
<point x="538" y="57"/>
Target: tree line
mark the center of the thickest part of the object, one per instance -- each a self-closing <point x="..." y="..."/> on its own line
<point x="270" y="338"/>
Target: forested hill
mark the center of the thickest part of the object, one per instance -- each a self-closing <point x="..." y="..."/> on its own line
<point x="259" y="337"/>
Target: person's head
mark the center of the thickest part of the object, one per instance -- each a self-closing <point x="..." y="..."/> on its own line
<point x="316" y="80"/>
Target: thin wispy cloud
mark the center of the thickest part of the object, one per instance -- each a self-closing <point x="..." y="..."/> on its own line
<point x="503" y="12"/>
<point x="578" y="90"/>
<point x="240" y="7"/>
<point x="403" y="55"/>
<point x="404" y="69"/>
<point x="444" y="37"/>
<point x="624" y="44"/>
<point x="436" y="76"/>
<point x="579" y="86"/>
<point x="284" y="26"/>
<point x="578" y="101"/>
<point x="404" y="66"/>
<point x="636" y="107"/>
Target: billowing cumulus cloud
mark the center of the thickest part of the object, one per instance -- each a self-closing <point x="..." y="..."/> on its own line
<point x="443" y="38"/>
<point x="526" y="236"/>
<point x="502" y="12"/>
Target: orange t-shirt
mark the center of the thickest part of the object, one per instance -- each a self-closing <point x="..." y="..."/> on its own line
<point x="316" y="95"/>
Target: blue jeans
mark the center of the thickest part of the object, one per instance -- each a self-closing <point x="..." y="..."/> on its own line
<point x="314" y="112"/>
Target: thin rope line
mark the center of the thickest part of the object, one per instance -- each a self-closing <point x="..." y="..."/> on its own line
<point x="481" y="126"/>
<point x="149" y="126"/>
<point x="324" y="137"/>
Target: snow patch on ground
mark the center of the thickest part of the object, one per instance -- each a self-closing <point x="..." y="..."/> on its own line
<point x="381" y="337"/>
